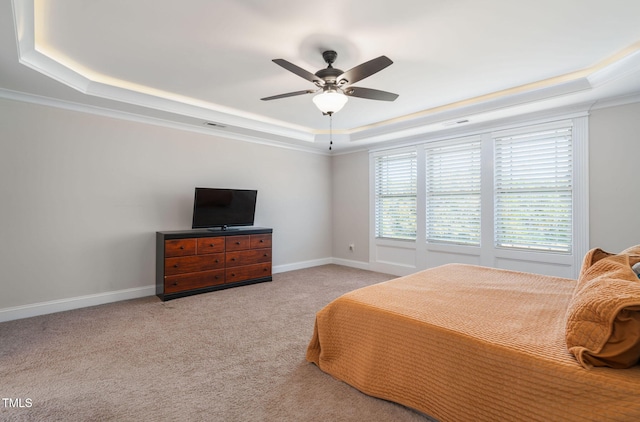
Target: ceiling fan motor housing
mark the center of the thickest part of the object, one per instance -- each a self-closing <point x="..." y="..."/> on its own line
<point x="330" y="74"/>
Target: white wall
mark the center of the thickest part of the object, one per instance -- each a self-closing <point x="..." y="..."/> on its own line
<point x="614" y="177"/>
<point x="83" y="195"/>
<point x="614" y="203"/>
<point x="351" y="208"/>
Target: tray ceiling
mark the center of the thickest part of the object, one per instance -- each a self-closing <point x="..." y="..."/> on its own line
<point x="198" y="61"/>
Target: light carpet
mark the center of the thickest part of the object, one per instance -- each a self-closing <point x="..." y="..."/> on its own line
<point x="231" y="355"/>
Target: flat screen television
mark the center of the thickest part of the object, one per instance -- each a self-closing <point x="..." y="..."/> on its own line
<point x="221" y="208"/>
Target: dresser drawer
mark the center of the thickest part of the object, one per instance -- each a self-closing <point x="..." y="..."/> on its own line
<point x="208" y="245"/>
<point x="190" y="264"/>
<point x="179" y="247"/>
<point x="259" y="241"/>
<point x="248" y="272"/>
<point x="196" y="261"/>
<point x="179" y="283"/>
<point x="251" y="256"/>
<point x="237" y="243"/>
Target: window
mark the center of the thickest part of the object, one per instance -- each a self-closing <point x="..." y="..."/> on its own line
<point x="513" y="197"/>
<point x="395" y="195"/>
<point x="533" y="188"/>
<point x="453" y="193"/>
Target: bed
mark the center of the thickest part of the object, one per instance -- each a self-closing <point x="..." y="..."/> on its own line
<point x="469" y="343"/>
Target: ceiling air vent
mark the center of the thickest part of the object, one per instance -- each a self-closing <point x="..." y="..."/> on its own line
<point x="213" y="124"/>
<point x="455" y="122"/>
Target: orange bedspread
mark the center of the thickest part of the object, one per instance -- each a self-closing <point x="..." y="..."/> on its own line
<point x="467" y="343"/>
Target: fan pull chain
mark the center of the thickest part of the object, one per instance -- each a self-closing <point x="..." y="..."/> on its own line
<point x="330" y="130"/>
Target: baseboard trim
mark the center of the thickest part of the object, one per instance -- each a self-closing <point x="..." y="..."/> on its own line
<point x="353" y="264"/>
<point x="53" y="306"/>
<point x="317" y="262"/>
<point x="301" y="265"/>
<point x="391" y="268"/>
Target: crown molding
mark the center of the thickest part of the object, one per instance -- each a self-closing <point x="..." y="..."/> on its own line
<point x="501" y="124"/>
<point x="260" y="129"/>
<point x="32" y="56"/>
<point x="617" y="101"/>
<point x="441" y="118"/>
<point x="138" y="118"/>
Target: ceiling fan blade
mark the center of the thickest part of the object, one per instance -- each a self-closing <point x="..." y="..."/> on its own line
<point x="289" y="94"/>
<point x="370" y="94"/>
<point x="364" y="70"/>
<point x="298" y="71"/>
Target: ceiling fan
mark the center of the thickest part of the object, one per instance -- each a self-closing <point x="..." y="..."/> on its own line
<point x="336" y="85"/>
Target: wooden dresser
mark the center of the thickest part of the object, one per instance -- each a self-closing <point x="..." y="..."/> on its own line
<point x="196" y="261"/>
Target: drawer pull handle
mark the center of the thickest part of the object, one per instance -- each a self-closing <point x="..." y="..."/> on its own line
<point x="175" y="265"/>
<point x="175" y="283"/>
<point x="261" y="240"/>
<point x="211" y="245"/>
<point x="265" y="255"/>
<point x="233" y="259"/>
<point x="217" y="261"/>
<point x="233" y="275"/>
<point x="181" y="247"/>
<point x="237" y="243"/>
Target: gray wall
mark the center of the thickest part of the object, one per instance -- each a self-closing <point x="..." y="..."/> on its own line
<point x="83" y="195"/>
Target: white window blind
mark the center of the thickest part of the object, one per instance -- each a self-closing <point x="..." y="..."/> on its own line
<point x="534" y="190"/>
<point x="395" y="195"/>
<point x="453" y="194"/>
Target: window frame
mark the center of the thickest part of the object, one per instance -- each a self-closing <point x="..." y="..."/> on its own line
<point x="473" y="147"/>
<point x="379" y="231"/>
<point x="405" y="257"/>
<point x="551" y="146"/>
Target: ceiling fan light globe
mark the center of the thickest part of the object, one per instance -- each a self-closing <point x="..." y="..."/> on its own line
<point x="330" y="102"/>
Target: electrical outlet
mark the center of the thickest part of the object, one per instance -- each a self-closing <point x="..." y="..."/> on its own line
<point x="352" y="247"/>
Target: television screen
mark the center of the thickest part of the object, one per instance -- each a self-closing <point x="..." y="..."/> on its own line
<point x="223" y="207"/>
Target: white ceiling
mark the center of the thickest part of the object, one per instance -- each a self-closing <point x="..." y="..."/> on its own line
<point x="194" y="61"/>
